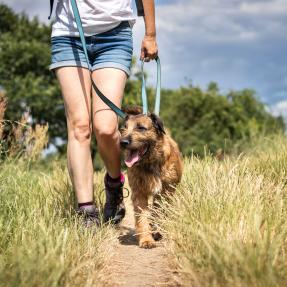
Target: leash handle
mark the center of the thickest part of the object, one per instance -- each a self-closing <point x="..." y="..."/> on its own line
<point x="158" y="89"/>
<point x="108" y="102"/>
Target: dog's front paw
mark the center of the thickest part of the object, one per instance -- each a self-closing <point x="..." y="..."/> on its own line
<point x="147" y="243"/>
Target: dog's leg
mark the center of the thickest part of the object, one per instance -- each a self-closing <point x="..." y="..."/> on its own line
<point x="154" y="212"/>
<point x="142" y="213"/>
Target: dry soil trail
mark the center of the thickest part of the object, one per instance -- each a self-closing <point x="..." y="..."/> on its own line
<point x="136" y="267"/>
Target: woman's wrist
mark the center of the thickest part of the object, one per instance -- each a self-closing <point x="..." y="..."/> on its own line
<point x="151" y="35"/>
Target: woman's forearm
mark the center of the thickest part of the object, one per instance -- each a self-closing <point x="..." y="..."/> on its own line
<point x="149" y="48"/>
<point x="149" y="18"/>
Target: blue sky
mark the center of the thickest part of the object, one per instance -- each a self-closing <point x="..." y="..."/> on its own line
<point x="237" y="43"/>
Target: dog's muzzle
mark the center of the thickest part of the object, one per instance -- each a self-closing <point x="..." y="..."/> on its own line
<point x="125" y="142"/>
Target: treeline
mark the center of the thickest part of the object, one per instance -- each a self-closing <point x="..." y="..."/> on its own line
<point x="222" y="123"/>
<point x="198" y="119"/>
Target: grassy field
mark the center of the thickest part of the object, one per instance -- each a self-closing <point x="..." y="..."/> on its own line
<point x="42" y="242"/>
<point x="227" y="225"/>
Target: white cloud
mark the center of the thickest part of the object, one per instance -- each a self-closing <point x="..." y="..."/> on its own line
<point x="273" y="7"/>
<point x="222" y="21"/>
<point x="41" y="9"/>
<point x="237" y="43"/>
<point x="280" y="109"/>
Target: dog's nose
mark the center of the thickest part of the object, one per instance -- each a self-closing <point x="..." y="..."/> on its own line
<point x="125" y="142"/>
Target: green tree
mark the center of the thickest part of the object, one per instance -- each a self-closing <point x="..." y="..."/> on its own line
<point x="199" y="119"/>
<point x="24" y="73"/>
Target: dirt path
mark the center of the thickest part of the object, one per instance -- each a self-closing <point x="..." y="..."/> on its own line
<point x="137" y="267"/>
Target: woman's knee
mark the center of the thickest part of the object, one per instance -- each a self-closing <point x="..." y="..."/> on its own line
<point x="81" y="131"/>
<point x="106" y="132"/>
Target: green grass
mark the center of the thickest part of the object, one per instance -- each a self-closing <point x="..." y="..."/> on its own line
<point x="42" y="242"/>
<point x="226" y="225"/>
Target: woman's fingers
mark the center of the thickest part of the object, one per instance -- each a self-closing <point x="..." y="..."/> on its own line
<point x="142" y="53"/>
<point x="149" y="49"/>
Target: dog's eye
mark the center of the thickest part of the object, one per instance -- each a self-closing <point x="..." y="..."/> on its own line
<point x="141" y="128"/>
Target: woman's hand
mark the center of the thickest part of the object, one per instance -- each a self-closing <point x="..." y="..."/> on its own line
<point x="149" y="48"/>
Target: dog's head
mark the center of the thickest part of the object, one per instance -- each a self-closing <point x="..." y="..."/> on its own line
<point x="140" y="135"/>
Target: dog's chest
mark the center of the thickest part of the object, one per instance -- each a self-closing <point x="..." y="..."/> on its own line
<point x="156" y="185"/>
<point x="145" y="183"/>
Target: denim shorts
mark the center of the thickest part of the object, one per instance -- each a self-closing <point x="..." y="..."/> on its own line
<point x="111" y="49"/>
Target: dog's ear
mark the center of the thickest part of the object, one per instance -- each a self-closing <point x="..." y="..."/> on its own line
<point x="157" y="122"/>
<point x="132" y="110"/>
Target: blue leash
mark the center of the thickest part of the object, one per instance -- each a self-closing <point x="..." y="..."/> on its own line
<point x="158" y="89"/>
<point x="109" y="103"/>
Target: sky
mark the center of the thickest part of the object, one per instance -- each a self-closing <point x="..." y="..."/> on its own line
<point x="236" y="43"/>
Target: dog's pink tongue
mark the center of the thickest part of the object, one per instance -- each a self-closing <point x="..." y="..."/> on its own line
<point x="132" y="158"/>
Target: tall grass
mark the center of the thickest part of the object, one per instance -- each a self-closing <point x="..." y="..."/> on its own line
<point x="19" y="138"/>
<point x="42" y="242"/>
<point x="226" y="225"/>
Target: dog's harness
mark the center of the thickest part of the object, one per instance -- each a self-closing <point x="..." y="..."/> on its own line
<point x="108" y="102"/>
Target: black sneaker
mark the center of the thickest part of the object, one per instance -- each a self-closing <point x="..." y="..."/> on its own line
<point x="114" y="209"/>
<point x="90" y="216"/>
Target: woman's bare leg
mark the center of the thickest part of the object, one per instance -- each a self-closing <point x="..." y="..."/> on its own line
<point x="111" y="83"/>
<point x="76" y="90"/>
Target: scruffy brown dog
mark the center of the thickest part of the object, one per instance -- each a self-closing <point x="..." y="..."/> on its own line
<point x="154" y="166"/>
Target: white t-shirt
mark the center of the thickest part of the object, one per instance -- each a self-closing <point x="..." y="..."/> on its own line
<point x="97" y="16"/>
